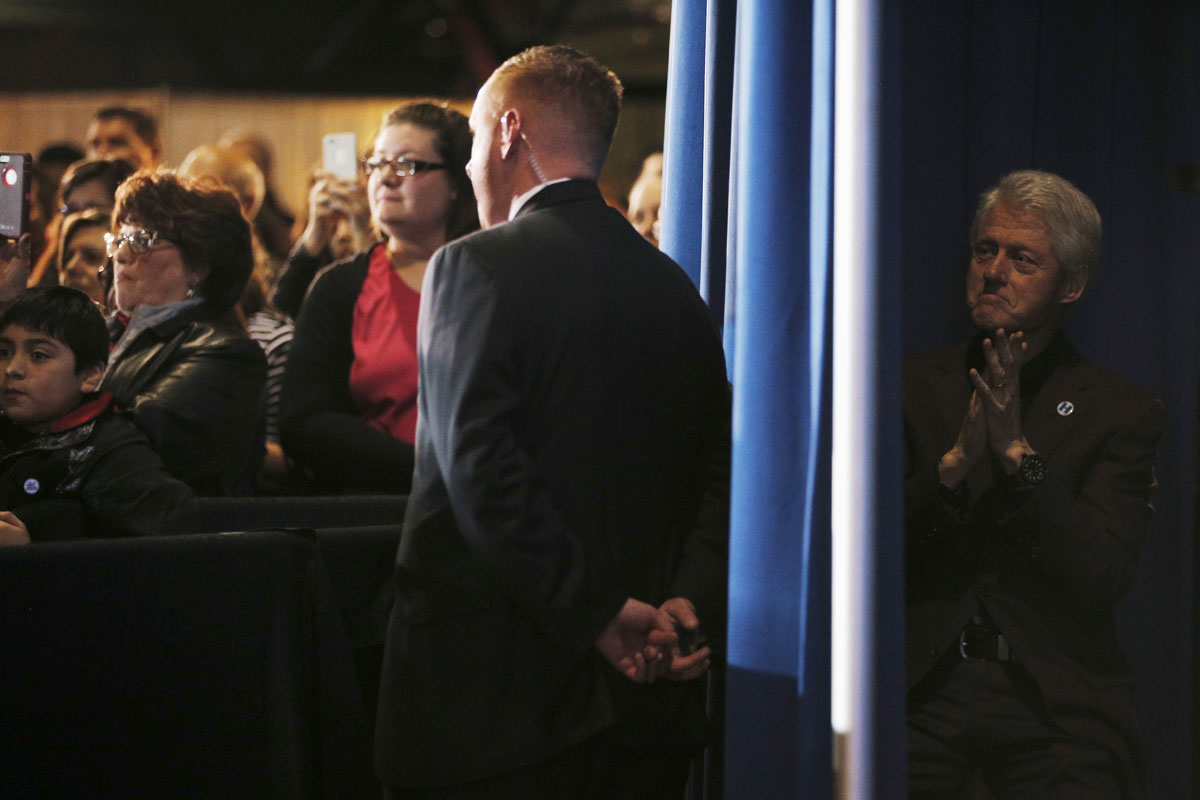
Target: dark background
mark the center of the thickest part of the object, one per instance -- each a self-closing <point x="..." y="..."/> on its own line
<point x="440" y="47"/>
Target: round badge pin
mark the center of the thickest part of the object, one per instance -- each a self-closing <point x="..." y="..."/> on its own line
<point x="32" y="486"/>
<point x="1065" y="408"/>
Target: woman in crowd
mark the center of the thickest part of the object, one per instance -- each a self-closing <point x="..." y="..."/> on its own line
<point x="272" y="330"/>
<point x="82" y="260"/>
<point x="337" y="225"/>
<point x="85" y="185"/>
<point x="181" y="363"/>
<point x="350" y="389"/>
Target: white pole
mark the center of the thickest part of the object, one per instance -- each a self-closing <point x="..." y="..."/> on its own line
<point x="855" y="395"/>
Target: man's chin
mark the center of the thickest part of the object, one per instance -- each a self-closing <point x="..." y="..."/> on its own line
<point x="987" y="319"/>
<point x="984" y="322"/>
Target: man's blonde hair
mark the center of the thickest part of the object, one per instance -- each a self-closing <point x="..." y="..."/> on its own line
<point x="562" y="80"/>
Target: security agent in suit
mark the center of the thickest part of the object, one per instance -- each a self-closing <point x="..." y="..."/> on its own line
<point x="568" y="522"/>
<point x="1028" y="474"/>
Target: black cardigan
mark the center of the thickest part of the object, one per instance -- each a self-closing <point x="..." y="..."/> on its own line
<point x="322" y="431"/>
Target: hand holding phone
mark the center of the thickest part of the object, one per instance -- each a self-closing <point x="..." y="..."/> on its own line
<point x="340" y="155"/>
<point x="15" y="176"/>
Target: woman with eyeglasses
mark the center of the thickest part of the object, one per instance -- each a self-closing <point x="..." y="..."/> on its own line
<point x="181" y="363"/>
<point x="85" y="185"/>
<point x="350" y="389"/>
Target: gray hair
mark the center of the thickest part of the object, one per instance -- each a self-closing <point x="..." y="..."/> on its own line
<point x="1069" y="215"/>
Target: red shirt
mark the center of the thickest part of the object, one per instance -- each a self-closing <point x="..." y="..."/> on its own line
<point x="383" y="375"/>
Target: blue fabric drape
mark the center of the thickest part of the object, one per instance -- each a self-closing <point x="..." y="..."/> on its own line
<point x="773" y="293"/>
<point x="683" y="149"/>
<point x="968" y="91"/>
<point x="720" y="37"/>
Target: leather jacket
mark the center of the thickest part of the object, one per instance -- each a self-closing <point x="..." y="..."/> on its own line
<point x="90" y="473"/>
<point x="194" y="384"/>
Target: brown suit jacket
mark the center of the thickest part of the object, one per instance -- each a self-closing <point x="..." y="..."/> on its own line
<point x="1047" y="564"/>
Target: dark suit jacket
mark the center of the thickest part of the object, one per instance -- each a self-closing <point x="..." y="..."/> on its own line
<point x="1047" y="564"/>
<point x="572" y="451"/>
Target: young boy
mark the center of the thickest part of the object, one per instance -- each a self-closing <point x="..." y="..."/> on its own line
<point x="70" y="464"/>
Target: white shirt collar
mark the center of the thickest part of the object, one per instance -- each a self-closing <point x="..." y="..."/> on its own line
<point x="520" y="200"/>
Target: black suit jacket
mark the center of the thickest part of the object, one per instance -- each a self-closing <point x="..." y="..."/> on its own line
<point x="572" y="451"/>
<point x="1047" y="564"/>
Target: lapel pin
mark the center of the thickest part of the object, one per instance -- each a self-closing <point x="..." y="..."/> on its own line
<point x="31" y="486"/>
<point x="1065" y="408"/>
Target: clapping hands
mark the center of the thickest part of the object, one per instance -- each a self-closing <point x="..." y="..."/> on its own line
<point x="993" y="419"/>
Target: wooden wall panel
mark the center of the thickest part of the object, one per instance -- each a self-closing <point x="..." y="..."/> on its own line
<point x="293" y="124"/>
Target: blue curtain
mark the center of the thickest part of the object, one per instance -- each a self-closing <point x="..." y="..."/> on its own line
<point x="683" y="149"/>
<point x="749" y="221"/>
<point x="777" y="717"/>
<point x="968" y="91"/>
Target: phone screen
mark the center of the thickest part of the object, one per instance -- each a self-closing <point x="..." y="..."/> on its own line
<point x="15" y="174"/>
<point x="340" y="153"/>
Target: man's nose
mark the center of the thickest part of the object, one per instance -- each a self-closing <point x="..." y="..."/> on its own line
<point x="996" y="270"/>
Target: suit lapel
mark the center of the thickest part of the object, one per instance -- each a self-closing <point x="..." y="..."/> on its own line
<point x="1064" y="399"/>
<point x="952" y="392"/>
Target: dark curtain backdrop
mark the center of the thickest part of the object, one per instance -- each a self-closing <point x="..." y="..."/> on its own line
<point x="1107" y="94"/>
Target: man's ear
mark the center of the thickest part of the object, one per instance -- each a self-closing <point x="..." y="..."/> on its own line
<point x="510" y="131"/>
<point x="91" y="378"/>
<point x="1073" y="285"/>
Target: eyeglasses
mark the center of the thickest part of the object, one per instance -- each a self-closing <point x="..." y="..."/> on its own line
<point x="139" y="242"/>
<point x="400" y="166"/>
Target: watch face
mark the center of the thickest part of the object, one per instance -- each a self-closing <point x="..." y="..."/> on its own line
<point x="1033" y="470"/>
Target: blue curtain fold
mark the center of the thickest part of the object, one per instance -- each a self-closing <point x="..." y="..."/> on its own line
<point x="683" y="147"/>
<point x="749" y="223"/>
<point x="746" y="212"/>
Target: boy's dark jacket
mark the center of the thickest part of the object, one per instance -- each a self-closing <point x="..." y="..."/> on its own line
<point x="92" y="472"/>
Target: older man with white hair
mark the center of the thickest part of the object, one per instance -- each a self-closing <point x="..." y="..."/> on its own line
<point x="1028" y="474"/>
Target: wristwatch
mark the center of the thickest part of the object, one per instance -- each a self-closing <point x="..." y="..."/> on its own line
<point x="1032" y="470"/>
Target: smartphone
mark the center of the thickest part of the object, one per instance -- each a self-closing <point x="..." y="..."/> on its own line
<point x="340" y="152"/>
<point x="690" y="641"/>
<point x="15" y="176"/>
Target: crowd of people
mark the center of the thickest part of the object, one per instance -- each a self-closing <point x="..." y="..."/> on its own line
<point x="469" y="323"/>
<point x="164" y="338"/>
<point x="337" y="410"/>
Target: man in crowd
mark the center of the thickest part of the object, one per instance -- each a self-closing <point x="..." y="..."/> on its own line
<point x="128" y="133"/>
<point x="273" y="222"/>
<point x="1028" y="474"/>
<point x="565" y="543"/>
